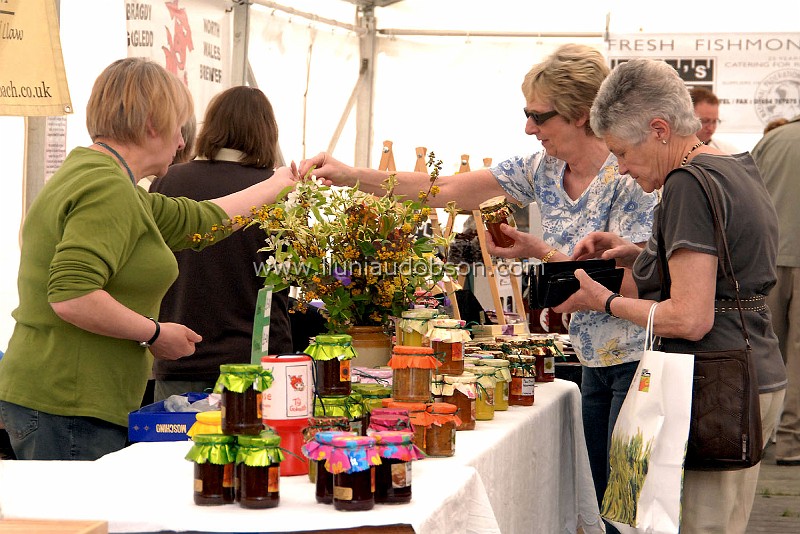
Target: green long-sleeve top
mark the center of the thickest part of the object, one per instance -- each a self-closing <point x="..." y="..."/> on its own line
<point x="88" y="229"/>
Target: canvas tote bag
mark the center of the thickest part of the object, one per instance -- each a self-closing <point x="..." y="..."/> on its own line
<point x="648" y="443"/>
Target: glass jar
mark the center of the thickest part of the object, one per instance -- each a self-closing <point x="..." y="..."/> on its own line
<point x="485" y="388"/>
<point x="322" y="424"/>
<point x="371" y="396"/>
<point x="545" y="361"/>
<point x="437" y="385"/>
<point x="412" y="369"/>
<point x="502" y="374"/>
<point x="393" y="475"/>
<point x="332" y="355"/>
<point x="417" y="416"/>
<point x="213" y="456"/>
<point x="523" y="379"/>
<point x="341" y="406"/>
<point x="386" y="422"/>
<point x="318" y="451"/>
<point x="462" y="391"/>
<point x="258" y="461"/>
<point x="412" y="327"/>
<point x="497" y="211"/>
<point x="440" y="434"/>
<point x="240" y="386"/>
<point x="447" y="340"/>
<point x="352" y="463"/>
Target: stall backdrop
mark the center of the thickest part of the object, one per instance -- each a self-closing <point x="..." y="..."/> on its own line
<point x="447" y="72"/>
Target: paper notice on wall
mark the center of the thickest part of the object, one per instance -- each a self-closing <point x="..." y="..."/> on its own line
<point x="755" y="75"/>
<point x="55" y="144"/>
<point x="261" y="325"/>
<point x="33" y="81"/>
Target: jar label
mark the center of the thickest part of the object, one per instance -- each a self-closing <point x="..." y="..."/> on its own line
<point x="273" y="479"/>
<point x="504" y="389"/>
<point x="198" y="485"/>
<point x="527" y="386"/>
<point x="344" y="371"/>
<point x="549" y="364"/>
<point x="457" y="351"/>
<point x="259" y="409"/>
<point x="401" y="475"/>
<point x="341" y="493"/>
<point x="372" y="479"/>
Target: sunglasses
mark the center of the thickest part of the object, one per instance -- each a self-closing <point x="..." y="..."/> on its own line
<point x="540" y="118"/>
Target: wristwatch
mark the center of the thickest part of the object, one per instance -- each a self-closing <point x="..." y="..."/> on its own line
<point x="145" y="344"/>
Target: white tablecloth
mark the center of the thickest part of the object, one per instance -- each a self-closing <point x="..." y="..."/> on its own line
<point x="526" y="471"/>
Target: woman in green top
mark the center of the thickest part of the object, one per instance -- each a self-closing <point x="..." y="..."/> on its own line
<point x="96" y="259"/>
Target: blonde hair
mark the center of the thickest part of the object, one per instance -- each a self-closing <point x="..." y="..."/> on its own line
<point x="133" y="94"/>
<point x="569" y="78"/>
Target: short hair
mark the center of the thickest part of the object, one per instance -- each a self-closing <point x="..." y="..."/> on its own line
<point x="771" y="125"/>
<point x="133" y="94"/>
<point x="568" y="78"/>
<point x="635" y="93"/>
<point x="701" y="95"/>
<point x="189" y="134"/>
<point x="240" y="118"/>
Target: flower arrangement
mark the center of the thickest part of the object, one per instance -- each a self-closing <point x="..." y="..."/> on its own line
<point x="361" y="255"/>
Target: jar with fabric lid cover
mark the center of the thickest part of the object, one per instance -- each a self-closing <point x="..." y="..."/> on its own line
<point x="322" y="424"/>
<point x="214" y="456"/>
<point x="440" y="434"/>
<point x="349" y="406"/>
<point x="240" y="387"/>
<point x="447" y="340"/>
<point x="485" y="389"/>
<point x="413" y="325"/>
<point x="462" y="391"/>
<point x="393" y="475"/>
<point x="352" y="462"/>
<point x="502" y="374"/>
<point x="417" y="416"/>
<point x="258" y="461"/>
<point x="412" y="369"/>
<point x="318" y="450"/>
<point x="371" y="395"/>
<point x="332" y="355"/>
<point x="523" y="379"/>
<point x="496" y="211"/>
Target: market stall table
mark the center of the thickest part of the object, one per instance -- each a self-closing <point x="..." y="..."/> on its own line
<point x="524" y="471"/>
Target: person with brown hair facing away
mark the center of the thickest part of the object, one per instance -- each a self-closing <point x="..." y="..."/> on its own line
<point x="706" y="109"/>
<point x="95" y="261"/>
<point x="216" y="290"/>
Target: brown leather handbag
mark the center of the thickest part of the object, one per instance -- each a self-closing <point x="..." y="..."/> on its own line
<point x="725" y="428"/>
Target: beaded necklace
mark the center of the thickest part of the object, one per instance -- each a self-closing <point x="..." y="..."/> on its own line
<point x="686" y="157"/>
<point x="120" y="158"/>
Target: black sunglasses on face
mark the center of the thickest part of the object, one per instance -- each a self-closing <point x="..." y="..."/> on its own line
<point x="540" y="118"/>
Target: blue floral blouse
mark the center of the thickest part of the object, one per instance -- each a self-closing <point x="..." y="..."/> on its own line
<point x="612" y="203"/>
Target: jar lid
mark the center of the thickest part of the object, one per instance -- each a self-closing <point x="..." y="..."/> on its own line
<point x="464" y="378"/>
<point x="265" y="439"/>
<point x="393" y="437"/>
<point x="521" y="358"/>
<point x="493" y="362"/>
<point x="371" y="390"/>
<point x="442" y="408"/>
<point x="349" y="441"/>
<point x="324" y="421"/>
<point x="410" y="406"/>
<point x="211" y="417"/>
<point x="239" y="368"/>
<point x="333" y="339"/>
<point x="446" y="322"/>
<point x="239" y="377"/>
<point x="405" y="350"/>
<point x="213" y="439"/>
<point x="389" y="411"/>
<point x="326" y="437"/>
<point x="480" y="370"/>
<point x="493" y="203"/>
<point x="388" y="420"/>
<point x="419" y="313"/>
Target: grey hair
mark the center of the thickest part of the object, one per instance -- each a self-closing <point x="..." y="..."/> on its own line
<point x="635" y="93"/>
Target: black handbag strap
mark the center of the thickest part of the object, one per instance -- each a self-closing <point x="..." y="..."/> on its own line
<point x="724" y="255"/>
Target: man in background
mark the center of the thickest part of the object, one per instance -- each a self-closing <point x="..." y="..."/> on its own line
<point x="778" y="160"/>
<point x="706" y="108"/>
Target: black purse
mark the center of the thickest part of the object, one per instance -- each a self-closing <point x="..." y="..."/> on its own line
<point x="552" y="283"/>
<point x="725" y="427"/>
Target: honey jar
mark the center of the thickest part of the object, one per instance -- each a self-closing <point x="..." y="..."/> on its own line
<point x="413" y="325"/>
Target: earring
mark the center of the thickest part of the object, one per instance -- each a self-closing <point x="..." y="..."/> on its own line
<point x="664" y="141"/>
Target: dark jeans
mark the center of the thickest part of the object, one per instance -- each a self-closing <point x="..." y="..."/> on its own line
<point x="603" y="391"/>
<point x="36" y="435"/>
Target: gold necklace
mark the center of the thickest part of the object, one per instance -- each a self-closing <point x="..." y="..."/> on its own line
<point x="686" y="157"/>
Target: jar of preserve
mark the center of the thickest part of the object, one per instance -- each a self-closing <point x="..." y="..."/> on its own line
<point x="413" y="325"/>
<point x="352" y="462"/>
<point x="322" y="424"/>
<point x="447" y="340"/>
<point x="349" y="406"/>
<point x="258" y="463"/>
<point x="545" y="360"/>
<point x="437" y="385"/>
<point x="332" y="355"/>
<point x="485" y="389"/>
<point x="497" y="211"/>
<point x="523" y="379"/>
<point x="440" y="434"/>
<point x="240" y="386"/>
<point x="371" y="395"/>
<point x="502" y="374"/>
<point x="389" y="422"/>
<point x="462" y="391"/>
<point x="412" y="369"/>
<point x="214" y="456"/>
<point x="318" y="450"/>
<point x="417" y="416"/>
<point x="393" y="475"/>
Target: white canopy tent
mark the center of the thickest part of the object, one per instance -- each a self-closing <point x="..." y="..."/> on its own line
<point x="443" y="74"/>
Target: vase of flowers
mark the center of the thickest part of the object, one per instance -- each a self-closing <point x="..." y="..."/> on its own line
<point x="363" y="256"/>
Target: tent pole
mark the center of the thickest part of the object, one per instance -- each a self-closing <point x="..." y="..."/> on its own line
<point x="364" y="99"/>
<point x="241" y="38"/>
